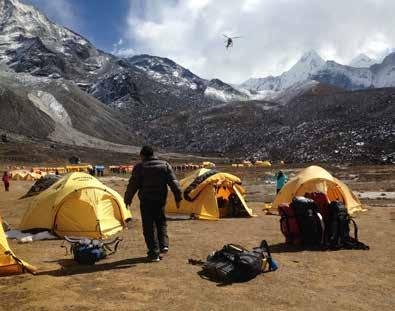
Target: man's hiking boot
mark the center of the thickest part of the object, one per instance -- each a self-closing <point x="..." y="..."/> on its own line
<point x="153" y="258"/>
<point x="164" y="250"/>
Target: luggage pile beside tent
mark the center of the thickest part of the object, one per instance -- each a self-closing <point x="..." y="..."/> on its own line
<point x="316" y="210"/>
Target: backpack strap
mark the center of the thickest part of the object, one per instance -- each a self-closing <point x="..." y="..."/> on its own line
<point x="322" y="227"/>
<point x="196" y="262"/>
<point x="355" y="229"/>
<point x="272" y="264"/>
<point x="356" y="244"/>
<point x="108" y="245"/>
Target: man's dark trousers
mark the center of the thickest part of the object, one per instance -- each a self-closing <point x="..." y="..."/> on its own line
<point x="154" y="226"/>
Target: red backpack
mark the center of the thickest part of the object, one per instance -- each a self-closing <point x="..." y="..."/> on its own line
<point x="289" y="225"/>
<point x="322" y="201"/>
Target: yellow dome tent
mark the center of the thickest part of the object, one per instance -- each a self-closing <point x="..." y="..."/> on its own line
<point x="207" y="164"/>
<point x="9" y="263"/>
<point x="263" y="164"/>
<point x="208" y="194"/>
<point x="77" y="205"/>
<point x="317" y="179"/>
<point x="18" y="175"/>
<point x="32" y="176"/>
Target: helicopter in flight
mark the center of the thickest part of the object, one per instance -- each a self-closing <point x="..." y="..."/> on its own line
<point x="229" y="40"/>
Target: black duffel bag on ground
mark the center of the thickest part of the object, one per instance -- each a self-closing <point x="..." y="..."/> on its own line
<point x="234" y="263"/>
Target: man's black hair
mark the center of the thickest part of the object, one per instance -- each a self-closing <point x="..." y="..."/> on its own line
<point x="147" y="151"/>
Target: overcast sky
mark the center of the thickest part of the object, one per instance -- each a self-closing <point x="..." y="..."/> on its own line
<point x="275" y="32"/>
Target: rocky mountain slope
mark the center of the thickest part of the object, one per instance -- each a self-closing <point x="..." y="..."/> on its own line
<point x="343" y="126"/>
<point x="55" y="85"/>
<point x="60" y="111"/>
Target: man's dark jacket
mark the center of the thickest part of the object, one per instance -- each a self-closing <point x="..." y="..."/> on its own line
<point x="151" y="177"/>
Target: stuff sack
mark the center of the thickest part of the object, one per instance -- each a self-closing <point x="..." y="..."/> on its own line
<point x="311" y="223"/>
<point x="289" y="225"/>
<point x="88" y="252"/>
<point x="233" y="263"/>
<point x="339" y="229"/>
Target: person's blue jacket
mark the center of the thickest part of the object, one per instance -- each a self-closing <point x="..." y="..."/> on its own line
<point x="281" y="181"/>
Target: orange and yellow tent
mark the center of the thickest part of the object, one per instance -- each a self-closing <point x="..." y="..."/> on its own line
<point x="9" y="263"/>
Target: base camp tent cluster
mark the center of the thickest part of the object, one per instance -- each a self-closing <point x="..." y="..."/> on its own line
<point x="317" y="179"/>
<point x="209" y="194"/>
<point x="77" y="205"/>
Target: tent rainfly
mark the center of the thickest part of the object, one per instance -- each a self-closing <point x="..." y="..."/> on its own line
<point x="77" y="205"/>
<point x="209" y="194"/>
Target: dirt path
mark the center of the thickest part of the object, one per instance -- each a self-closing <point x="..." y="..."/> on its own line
<point x="306" y="280"/>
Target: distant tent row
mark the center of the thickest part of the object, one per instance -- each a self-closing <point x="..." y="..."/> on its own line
<point x="246" y="163"/>
<point x="121" y="169"/>
<point x="50" y="170"/>
<point x="24" y="175"/>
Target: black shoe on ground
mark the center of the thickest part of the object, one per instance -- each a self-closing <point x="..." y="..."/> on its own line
<point x="164" y="250"/>
<point x="154" y="258"/>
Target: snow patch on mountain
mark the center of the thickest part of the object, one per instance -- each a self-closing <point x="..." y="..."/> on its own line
<point x="48" y="104"/>
<point x="166" y="71"/>
<point x="362" y="61"/>
<point x="312" y="67"/>
<point x="221" y="95"/>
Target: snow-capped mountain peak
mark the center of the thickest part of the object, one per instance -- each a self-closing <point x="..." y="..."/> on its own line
<point x="18" y="19"/>
<point x="166" y="71"/>
<point x="362" y="61"/>
<point x="309" y="64"/>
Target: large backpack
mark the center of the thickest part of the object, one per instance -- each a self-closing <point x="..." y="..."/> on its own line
<point x="338" y="233"/>
<point x="289" y="225"/>
<point x="234" y="263"/>
<point x="322" y="202"/>
<point x="311" y="223"/>
<point x="88" y="252"/>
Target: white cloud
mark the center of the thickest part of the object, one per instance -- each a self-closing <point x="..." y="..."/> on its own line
<point x="275" y="32"/>
<point x="120" y="50"/>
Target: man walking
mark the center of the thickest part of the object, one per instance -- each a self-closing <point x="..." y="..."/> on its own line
<point x="150" y="178"/>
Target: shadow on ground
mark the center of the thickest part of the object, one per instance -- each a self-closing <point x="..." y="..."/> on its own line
<point x="70" y="267"/>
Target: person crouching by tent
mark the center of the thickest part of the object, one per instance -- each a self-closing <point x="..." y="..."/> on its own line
<point x="150" y="178"/>
<point x="281" y="180"/>
<point x="6" y="181"/>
